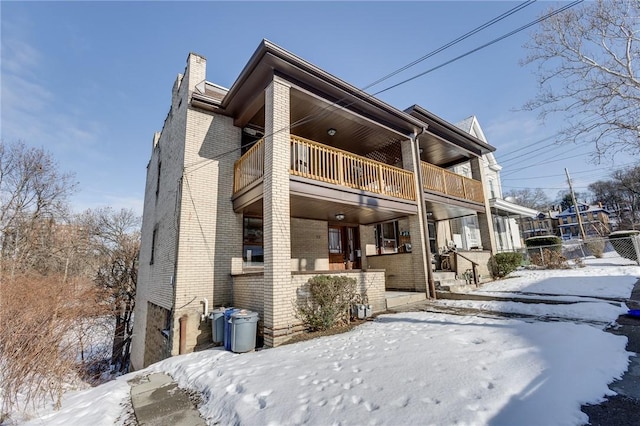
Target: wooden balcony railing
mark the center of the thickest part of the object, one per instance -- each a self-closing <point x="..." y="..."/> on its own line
<point x="249" y="168"/>
<point x="320" y="162"/>
<point x="315" y="161"/>
<point x="312" y="160"/>
<point x="440" y="180"/>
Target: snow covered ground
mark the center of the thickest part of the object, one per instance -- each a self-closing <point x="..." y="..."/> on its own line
<point x="414" y="368"/>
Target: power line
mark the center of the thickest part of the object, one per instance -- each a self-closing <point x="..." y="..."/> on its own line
<point x="509" y="34"/>
<point x="538" y="187"/>
<point x="326" y="110"/>
<point x="592" y="119"/>
<point x="556" y="143"/>
<point x="546" y="162"/>
<point x="585" y="121"/>
<point x="453" y="42"/>
<point x="336" y="103"/>
<point x="620" y="167"/>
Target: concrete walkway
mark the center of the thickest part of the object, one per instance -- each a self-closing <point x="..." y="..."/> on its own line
<point x="623" y="409"/>
<point x="157" y="400"/>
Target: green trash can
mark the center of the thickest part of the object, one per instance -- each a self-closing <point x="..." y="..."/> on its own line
<point x="244" y="328"/>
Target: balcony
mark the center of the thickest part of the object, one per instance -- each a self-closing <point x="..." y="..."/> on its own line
<point x="452" y="184"/>
<point x="315" y="161"/>
<point x="323" y="163"/>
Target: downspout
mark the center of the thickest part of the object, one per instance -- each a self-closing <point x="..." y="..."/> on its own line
<point x="182" y="347"/>
<point x="174" y="278"/>
<point x="431" y="286"/>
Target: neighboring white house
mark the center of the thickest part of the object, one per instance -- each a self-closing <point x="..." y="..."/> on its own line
<point x="505" y="213"/>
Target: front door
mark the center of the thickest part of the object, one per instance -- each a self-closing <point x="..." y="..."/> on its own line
<point x="344" y="247"/>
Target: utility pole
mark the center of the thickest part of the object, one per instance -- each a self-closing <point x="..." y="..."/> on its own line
<point x="575" y="205"/>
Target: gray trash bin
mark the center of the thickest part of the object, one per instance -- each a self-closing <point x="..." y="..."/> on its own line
<point x="217" y="325"/>
<point x="244" y="327"/>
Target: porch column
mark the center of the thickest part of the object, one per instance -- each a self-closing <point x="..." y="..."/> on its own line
<point x="485" y="222"/>
<point x="278" y="288"/>
<point x="419" y="242"/>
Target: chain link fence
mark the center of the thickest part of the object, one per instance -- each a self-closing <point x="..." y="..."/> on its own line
<point x="618" y="251"/>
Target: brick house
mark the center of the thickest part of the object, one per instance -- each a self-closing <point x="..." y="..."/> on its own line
<point x="288" y="174"/>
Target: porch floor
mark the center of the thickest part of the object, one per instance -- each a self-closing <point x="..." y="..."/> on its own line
<point x="399" y="298"/>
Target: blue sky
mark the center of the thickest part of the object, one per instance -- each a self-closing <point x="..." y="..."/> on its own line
<point x="91" y="81"/>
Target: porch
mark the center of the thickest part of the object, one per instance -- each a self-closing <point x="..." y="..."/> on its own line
<point x="249" y="290"/>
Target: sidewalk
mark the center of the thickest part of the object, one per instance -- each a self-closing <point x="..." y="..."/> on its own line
<point x="157" y="400"/>
<point x="623" y="409"/>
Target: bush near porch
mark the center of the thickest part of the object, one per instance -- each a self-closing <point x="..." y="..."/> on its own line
<point x="328" y="301"/>
<point x="502" y="264"/>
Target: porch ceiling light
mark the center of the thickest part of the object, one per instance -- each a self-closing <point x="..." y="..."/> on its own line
<point x="340" y="216"/>
<point x="331" y="132"/>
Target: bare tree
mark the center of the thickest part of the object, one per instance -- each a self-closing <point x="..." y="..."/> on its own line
<point x="33" y="196"/>
<point x="588" y="70"/>
<point x="31" y="184"/>
<point x="532" y="198"/>
<point x="46" y="291"/>
<point x="116" y="241"/>
<point x="41" y="316"/>
<point x="622" y="194"/>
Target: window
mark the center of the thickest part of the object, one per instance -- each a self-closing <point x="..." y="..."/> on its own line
<point x="387" y="237"/>
<point x="432" y="236"/>
<point x="492" y="189"/>
<point x="252" y="242"/>
<point x="158" y="179"/>
<point x="335" y="240"/>
<point x="153" y="244"/>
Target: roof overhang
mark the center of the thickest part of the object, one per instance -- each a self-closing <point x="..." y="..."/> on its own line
<point x="269" y="60"/>
<point x="501" y="205"/>
<point x="450" y="132"/>
<point x="443" y="143"/>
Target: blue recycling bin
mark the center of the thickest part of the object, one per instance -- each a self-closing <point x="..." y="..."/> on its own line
<point x="217" y="325"/>
<point x="227" y="327"/>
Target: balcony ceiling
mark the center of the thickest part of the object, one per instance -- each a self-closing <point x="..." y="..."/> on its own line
<point x="312" y="117"/>
<point x="365" y="123"/>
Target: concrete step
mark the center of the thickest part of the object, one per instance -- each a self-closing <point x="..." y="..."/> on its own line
<point x="403" y="298"/>
<point x="457" y="287"/>
<point x="443" y="276"/>
<point x="447" y="281"/>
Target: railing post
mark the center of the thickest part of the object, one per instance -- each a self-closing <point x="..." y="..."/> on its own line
<point x="380" y="180"/>
<point x="444" y="182"/>
<point x="340" y="169"/>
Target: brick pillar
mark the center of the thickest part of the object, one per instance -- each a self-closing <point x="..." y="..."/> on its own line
<point x="276" y="215"/>
<point x="416" y="225"/>
<point x="485" y="222"/>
